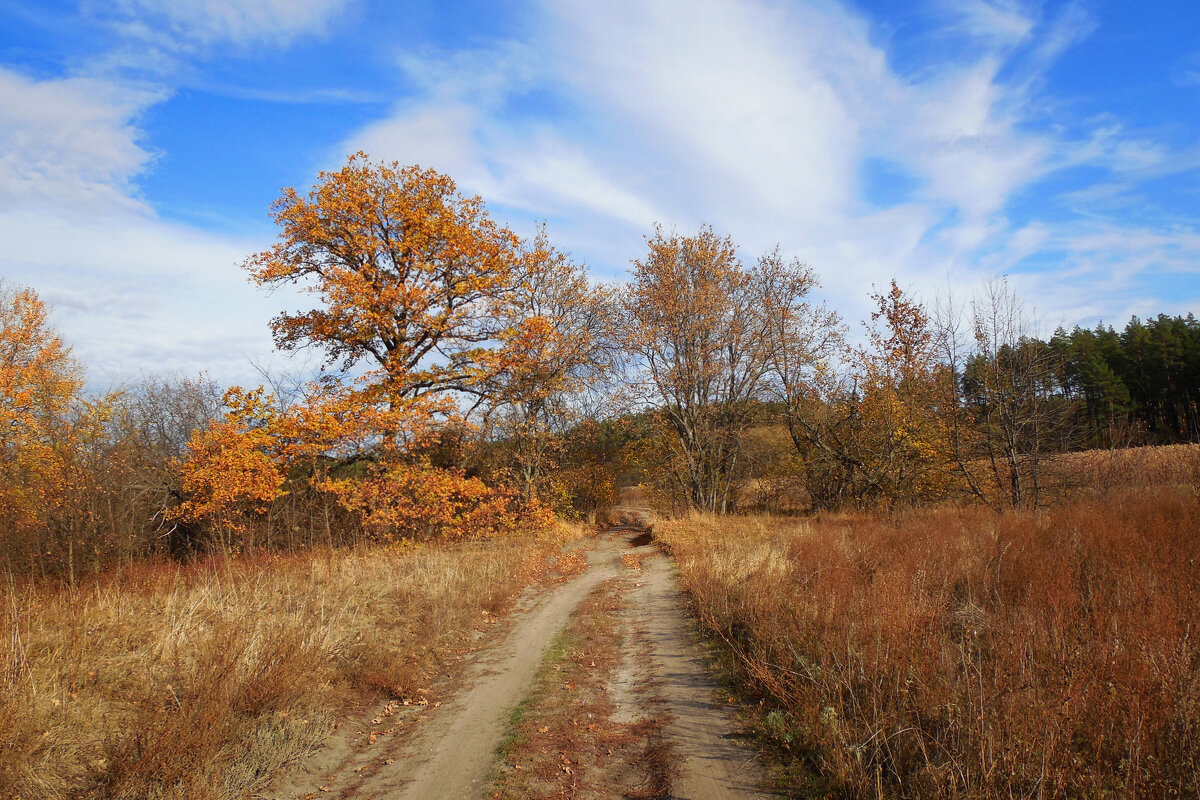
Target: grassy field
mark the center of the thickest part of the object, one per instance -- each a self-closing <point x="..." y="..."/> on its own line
<point x="197" y="682"/>
<point x="960" y="653"/>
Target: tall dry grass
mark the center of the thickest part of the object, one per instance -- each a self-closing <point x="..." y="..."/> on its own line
<point x="959" y="653"/>
<point x="1098" y="472"/>
<point x="195" y="682"/>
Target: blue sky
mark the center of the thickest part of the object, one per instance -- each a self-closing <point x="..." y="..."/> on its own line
<point x="941" y="142"/>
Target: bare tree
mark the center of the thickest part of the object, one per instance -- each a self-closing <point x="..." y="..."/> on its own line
<point x="1004" y="413"/>
<point x="806" y="346"/>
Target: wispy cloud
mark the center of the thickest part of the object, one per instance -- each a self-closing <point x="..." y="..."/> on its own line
<point x="993" y="22"/>
<point x="70" y="144"/>
<point x="202" y="23"/>
<point x="1186" y="71"/>
<point x="759" y="117"/>
<point x="131" y="292"/>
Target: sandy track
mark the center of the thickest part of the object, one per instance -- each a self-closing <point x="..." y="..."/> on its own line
<point x="452" y="750"/>
<point x="455" y="753"/>
<point x="711" y="765"/>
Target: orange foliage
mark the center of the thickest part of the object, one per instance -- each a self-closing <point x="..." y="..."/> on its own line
<point x="417" y="281"/>
<point x="38" y="383"/>
<point x="695" y="322"/>
<point x="231" y="472"/>
<point x="408" y="274"/>
<point x="407" y="501"/>
<point x="236" y="468"/>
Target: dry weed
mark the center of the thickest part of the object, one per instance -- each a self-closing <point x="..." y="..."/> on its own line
<point x="958" y="653"/>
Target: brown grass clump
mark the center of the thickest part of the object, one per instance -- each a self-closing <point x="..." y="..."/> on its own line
<point x="960" y="653"/>
<point x="200" y="681"/>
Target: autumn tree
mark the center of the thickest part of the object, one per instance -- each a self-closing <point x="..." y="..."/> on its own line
<point x="39" y="381"/>
<point x="430" y="306"/>
<point x="560" y="343"/>
<point x="38" y="376"/>
<point x="696" y="326"/>
<point x="407" y="272"/>
<point x="901" y="388"/>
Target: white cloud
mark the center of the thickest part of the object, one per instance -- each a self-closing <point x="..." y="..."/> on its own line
<point x="743" y="104"/>
<point x="131" y="292"/>
<point x="992" y="22"/>
<point x="206" y="22"/>
<point x="70" y="144"/>
<point x="135" y="294"/>
<point x="754" y="116"/>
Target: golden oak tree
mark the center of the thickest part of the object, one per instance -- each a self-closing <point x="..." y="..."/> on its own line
<point x="408" y="274"/>
<point x="419" y="284"/>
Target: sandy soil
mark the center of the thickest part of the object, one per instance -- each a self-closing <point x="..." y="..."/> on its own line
<point x="712" y="764"/>
<point x="451" y="751"/>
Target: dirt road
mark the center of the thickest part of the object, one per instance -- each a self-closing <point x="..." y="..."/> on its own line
<point x="451" y="751"/>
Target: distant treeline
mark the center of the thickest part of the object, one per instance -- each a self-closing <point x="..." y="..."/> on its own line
<point x="1138" y="386"/>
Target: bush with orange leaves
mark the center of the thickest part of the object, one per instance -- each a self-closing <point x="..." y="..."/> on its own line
<point x="337" y="448"/>
<point x="421" y="502"/>
<point x="232" y="472"/>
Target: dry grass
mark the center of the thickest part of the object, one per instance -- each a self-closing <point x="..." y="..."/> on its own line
<point x="959" y="653"/>
<point x="1097" y="472"/>
<point x="198" y="682"/>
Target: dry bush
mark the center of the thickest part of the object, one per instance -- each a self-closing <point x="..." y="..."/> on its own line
<point x="959" y="653"/>
<point x="197" y="682"/>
